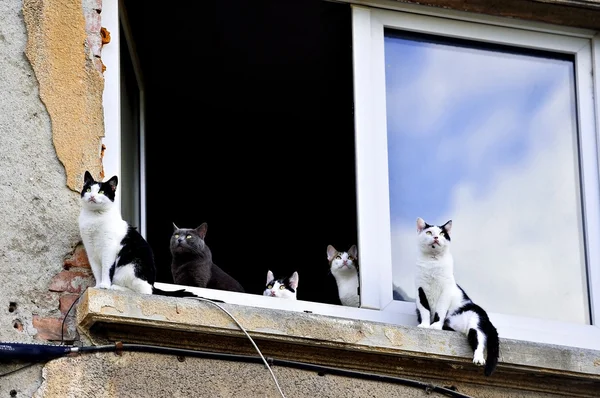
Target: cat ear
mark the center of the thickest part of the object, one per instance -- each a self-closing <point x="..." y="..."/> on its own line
<point x="353" y="251"/>
<point x="87" y="177"/>
<point x="448" y="227"/>
<point x="112" y="183"/>
<point x="330" y="252"/>
<point x="270" y="276"/>
<point x="175" y="227"/>
<point x="294" y="280"/>
<point x="421" y="225"/>
<point x="202" y="230"/>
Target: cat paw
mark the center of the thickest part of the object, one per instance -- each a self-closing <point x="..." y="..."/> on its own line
<point x="423" y="325"/>
<point x="437" y="325"/>
<point x="478" y="360"/>
<point x="102" y="285"/>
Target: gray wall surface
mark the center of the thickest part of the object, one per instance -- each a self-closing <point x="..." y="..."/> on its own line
<point x="38" y="213"/>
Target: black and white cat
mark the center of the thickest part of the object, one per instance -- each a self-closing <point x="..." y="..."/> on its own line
<point x="442" y="303"/>
<point x="344" y="267"/>
<point x="192" y="263"/>
<point x="120" y="257"/>
<point x="282" y="287"/>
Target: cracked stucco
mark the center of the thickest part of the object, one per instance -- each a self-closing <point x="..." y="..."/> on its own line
<point x="70" y="86"/>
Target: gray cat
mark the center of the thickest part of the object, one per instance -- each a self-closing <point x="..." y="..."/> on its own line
<point x="192" y="264"/>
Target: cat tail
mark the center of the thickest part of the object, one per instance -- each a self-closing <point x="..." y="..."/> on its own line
<point x="493" y="348"/>
<point x="173" y="293"/>
<point x="180" y="293"/>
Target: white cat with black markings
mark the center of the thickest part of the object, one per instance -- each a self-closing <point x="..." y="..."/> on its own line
<point x="120" y="257"/>
<point x="344" y="267"/>
<point x="442" y="303"/>
<point x="282" y="287"/>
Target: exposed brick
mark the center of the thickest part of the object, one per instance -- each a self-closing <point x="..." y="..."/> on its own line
<point x="95" y="44"/>
<point x="98" y="64"/>
<point x="93" y="21"/>
<point x="79" y="259"/>
<point x="65" y="302"/>
<point x="98" y="5"/>
<point x="48" y="328"/>
<point x="71" y="281"/>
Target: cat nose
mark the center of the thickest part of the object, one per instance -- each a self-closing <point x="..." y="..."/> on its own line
<point x="435" y="238"/>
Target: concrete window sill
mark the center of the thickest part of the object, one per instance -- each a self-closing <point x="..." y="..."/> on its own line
<point x="108" y="316"/>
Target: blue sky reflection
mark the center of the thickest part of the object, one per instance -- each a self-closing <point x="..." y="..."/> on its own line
<point x="488" y="140"/>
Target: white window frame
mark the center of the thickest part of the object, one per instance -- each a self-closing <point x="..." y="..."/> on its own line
<point x="372" y="162"/>
<point x="371" y="158"/>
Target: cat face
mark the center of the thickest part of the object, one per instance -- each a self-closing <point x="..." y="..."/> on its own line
<point x="188" y="240"/>
<point x="342" y="262"/>
<point x="432" y="238"/>
<point x="97" y="195"/>
<point x="282" y="287"/>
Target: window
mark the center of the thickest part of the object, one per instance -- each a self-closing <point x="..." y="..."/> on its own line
<point x="492" y="126"/>
<point x="345" y="88"/>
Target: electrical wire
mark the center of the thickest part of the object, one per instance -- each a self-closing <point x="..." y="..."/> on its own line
<point x="249" y="338"/>
<point x="62" y="327"/>
<point x="17" y="369"/>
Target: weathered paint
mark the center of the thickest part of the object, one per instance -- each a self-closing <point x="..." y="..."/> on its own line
<point x="69" y="84"/>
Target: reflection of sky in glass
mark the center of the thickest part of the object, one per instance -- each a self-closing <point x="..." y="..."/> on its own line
<point x="487" y="139"/>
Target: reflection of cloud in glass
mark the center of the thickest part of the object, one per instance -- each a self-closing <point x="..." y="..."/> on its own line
<point x="487" y="140"/>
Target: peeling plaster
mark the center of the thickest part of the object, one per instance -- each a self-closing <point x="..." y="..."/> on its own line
<point x="70" y="86"/>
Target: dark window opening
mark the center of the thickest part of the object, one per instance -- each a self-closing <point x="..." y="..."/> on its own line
<point x="250" y="128"/>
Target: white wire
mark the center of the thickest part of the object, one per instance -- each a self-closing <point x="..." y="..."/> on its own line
<point x="247" y="335"/>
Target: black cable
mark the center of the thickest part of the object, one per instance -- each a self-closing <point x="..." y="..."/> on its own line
<point x="62" y="327"/>
<point x="280" y="362"/>
<point x="14" y="351"/>
<point x="17" y="369"/>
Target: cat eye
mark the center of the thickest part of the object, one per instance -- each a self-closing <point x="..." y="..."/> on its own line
<point x="269" y="286"/>
<point x="188" y="236"/>
<point x="428" y="232"/>
<point x="281" y="287"/>
<point x="100" y="192"/>
<point x="338" y="257"/>
<point x="89" y="190"/>
<point x="442" y="233"/>
<point x="176" y="235"/>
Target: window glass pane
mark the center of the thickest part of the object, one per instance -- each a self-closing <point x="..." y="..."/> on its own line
<point x="487" y="137"/>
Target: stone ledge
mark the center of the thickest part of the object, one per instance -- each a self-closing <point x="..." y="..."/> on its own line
<point x="108" y="316"/>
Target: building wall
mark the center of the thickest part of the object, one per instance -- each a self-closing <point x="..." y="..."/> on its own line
<point x="50" y="131"/>
<point x="153" y="375"/>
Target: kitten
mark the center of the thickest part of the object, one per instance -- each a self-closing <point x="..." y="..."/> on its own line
<point x="119" y="256"/>
<point x="281" y="287"/>
<point x="344" y="267"/>
<point x="192" y="263"/>
<point x="442" y="303"/>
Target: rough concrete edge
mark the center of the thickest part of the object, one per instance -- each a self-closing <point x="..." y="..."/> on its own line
<point x="112" y="307"/>
<point x="70" y="87"/>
